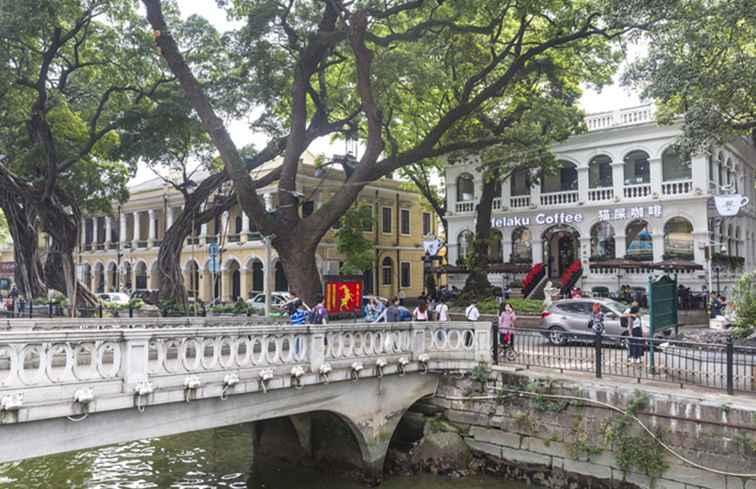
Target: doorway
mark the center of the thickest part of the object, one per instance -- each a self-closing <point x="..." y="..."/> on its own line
<point x="561" y="249"/>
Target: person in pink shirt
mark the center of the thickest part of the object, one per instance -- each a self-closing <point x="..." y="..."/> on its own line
<point x="507" y="318"/>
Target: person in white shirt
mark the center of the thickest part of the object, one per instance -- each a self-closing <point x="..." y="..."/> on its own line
<point x="442" y="311"/>
<point x="472" y="313"/>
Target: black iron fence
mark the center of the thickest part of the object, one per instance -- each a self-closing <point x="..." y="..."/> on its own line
<point x="720" y="366"/>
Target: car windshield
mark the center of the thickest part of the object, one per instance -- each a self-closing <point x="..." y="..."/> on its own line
<point x="617" y="306"/>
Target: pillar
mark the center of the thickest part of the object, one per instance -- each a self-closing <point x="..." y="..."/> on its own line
<point x="618" y="181"/>
<point x="506" y="193"/>
<point x="536" y="250"/>
<point x="205" y="285"/>
<point x="151" y="226"/>
<point x="108" y="229"/>
<point x="655" y="174"/>
<point x="83" y="235"/>
<point x="506" y="248"/>
<point x="108" y="284"/>
<point x="658" y="240"/>
<point x="582" y="172"/>
<point x="451" y="196"/>
<point x="245" y="222"/>
<point x="94" y="233"/>
<point x="122" y="230"/>
<point x="699" y="168"/>
<point x="245" y="282"/>
<point x="268" y="199"/>
<point x="169" y="217"/>
<point x="224" y="223"/>
<point x="700" y="240"/>
<point x="135" y="231"/>
<point x="535" y="197"/>
<point x="620" y="246"/>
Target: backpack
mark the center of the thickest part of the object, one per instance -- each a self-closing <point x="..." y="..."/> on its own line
<point x="317" y="315"/>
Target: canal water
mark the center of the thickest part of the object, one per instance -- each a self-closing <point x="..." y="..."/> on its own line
<point x="202" y="460"/>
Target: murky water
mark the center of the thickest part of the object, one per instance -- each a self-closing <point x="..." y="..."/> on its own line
<point x="202" y="460"/>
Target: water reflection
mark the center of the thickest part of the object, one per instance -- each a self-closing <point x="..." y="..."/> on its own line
<point x="202" y="460"/>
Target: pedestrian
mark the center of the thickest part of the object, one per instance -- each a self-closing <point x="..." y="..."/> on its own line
<point x="636" y="333"/>
<point x="597" y="319"/>
<point x="717" y="306"/>
<point x="507" y="292"/>
<point x="318" y="314"/>
<point x="13" y="294"/>
<point x="421" y="312"/>
<point x="442" y="311"/>
<point x="507" y="318"/>
<point x="392" y="313"/>
<point x="472" y="313"/>
<point x="299" y="317"/>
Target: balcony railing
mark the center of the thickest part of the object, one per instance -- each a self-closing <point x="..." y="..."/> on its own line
<point x="467" y="206"/>
<point x="496" y="203"/>
<point x="519" y="202"/>
<point x="559" y="198"/>
<point x="211" y="239"/>
<point x="233" y="238"/>
<point x="639" y="191"/>
<point x="624" y="117"/>
<point x="254" y="236"/>
<point x="87" y="247"/>
<point x="113" y="245"/>
<point x="600" y="194"/>
<point x="192" y="241"/>
<point x="142" y="244"/>
<point x="100" y="246"/>
<point x="677" y="188"/>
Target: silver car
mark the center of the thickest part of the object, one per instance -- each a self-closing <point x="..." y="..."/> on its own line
<point x="574" y="315"/>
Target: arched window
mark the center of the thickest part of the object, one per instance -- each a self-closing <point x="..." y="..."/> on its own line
<point x="281" y="282"/>
<point x="600" y="172"/>
<point x="238" y="225"/>
<point x="387" y="266"/>
<point x="464" y="240"/>
<point x="640" y="245"/>
<point x="602" y="240"/>
<point x="521" y="245"/>
<point x="637" y="170"/>
<point x="465" y="188"/>
<point x="140" y="276"/>
<point x="674" y="167"/>
<point x="562" y="180"/>
<point x="495" y="247"/>
<point x="678" y="239"/>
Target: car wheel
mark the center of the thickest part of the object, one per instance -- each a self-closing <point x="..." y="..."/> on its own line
<point x="557" y="336"/>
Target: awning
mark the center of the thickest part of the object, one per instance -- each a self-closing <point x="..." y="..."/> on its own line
<point x="676" y="265"/>
<point x="494" y="268"/>
<point x="621" y="263"/>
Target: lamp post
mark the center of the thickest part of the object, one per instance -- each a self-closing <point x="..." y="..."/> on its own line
<point x="709" y="247"/>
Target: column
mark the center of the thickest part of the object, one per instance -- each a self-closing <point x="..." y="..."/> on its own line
<point x="506" y="191"/>
<point x="151" y="226"/>
<point x="658" y="240"/>
<point x="699" y="172"/>
<point x="94" y="233"/>
<point x="245" y="222"/>
<point x="536" y="251"/>
<point x="83" y="234"/>
<point x="451" y="197"/>
<point x="108" y="284"/>
<point x="655" y="173"/>
<point x="506" y="248"/>
<point x="582" y="172"/>
<point x="620" y="246"/>
<point x="268" y="199"/>
<point x="224" y="223"/>
<point x="618" y="181"/>
<point x="169" y="217"/>
<point x="700" y="240"/>
<point x="245" y="282"/>
<point x="135" y="231"/>
<point x="122" y="230"/>
<point x="108" y="230"/>
<point x="205" y="285"/>
<point x="535" y="198"/>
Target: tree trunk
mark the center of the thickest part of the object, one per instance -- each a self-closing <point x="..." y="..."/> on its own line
<point x="169" y="258"/>
<point x="301" y="269"/>
<point x="55" y="275"/>
<point x="22" y="226"/>
<point x="477" y="284"/>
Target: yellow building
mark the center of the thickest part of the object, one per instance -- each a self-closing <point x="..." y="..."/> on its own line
<point x="120" y="251"/>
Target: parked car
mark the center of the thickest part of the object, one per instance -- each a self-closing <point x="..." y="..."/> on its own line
<point x="114" y="297"/>
<point x="148" y="296"/>
<point x="277" y="301"/>
<point x="568" y="316"/>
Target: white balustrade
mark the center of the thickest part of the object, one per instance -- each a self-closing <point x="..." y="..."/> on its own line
<point x="496" y="205"/>
<point x="681" y="187"/>
<point x="623" y="117"/>
<point x="600" y="194"/>
<point x="519" y="202"/>
<point x="638" y="191"/>
<point x="467" y="206"/>
<point x="559" y="198"/>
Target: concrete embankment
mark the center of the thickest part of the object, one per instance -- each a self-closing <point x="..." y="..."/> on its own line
<point x="561" y="432"/>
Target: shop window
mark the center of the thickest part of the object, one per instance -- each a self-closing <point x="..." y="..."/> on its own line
<point x="564" y="179"/>
<point x="602" y="240"/>
<point x="600" y="172"/>
<point x="521" y="245"/>
<point x="386" y="219"/>
<point x="465" y="188"/>
<point x="406" y="268"/>
<point x="678" y="239"/>
<point x="674" y="167"/>
<point x="640" y="245"/>
<point x="637" y="170"/>
<point x="387" y="267"/>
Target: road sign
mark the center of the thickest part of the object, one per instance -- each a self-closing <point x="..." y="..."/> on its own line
<point x="213" y="266"/>
<point x="213" y="249"/>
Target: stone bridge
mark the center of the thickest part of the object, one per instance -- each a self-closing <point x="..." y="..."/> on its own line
<point x="69" y="385"/>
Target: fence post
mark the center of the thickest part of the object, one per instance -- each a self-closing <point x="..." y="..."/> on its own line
<point x="99" y="310"/>
<point x="13" y="307"/>
<point x="730" y="361"/>
<point x="599" y="354"/>
<point x="495" y="341"/>
<point x="49" y="308"/>
<point x="131" y="310"/>
<point x="31" y="308"/>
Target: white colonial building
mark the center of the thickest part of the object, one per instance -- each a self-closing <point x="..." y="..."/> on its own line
<point x="621" y="193"/>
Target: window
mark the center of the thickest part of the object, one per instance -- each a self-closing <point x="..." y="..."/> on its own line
<point x="720" y="169"/>
<point x="520" y="182"/>
<point x="404" y="221"/>
<point x="368" y="224"/>
<point x="600" y="172"/>
<point x="521" y="245"/>
<point x="602" y="240"/>
<point x="637" y="170"/>
<point x="388" y="271"/>
<point x="495" y="250"/>
<point x="673" y="167"/>
<point x="238" y="225"/>
<point x="427" y="224"/>
<point x="678" y="239"/>
<point x="308" y="208"/>
<point x="640" y="243"/>
<point x="386" y="219"/>
<point x="563" y="180"/>
<point x="463" y="245"/>
<point x="406" y="274"/>
<point x="465" y="188"/>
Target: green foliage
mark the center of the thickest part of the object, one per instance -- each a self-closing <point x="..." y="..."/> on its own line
<point x="522" y="307"/>
<point x="351" y="242"/>
<point x="481" y="373"/>
<point x="237" y="308"/>
<point x="700" y="66"/>
<point x="581" y="445"/>
<point x="744" y="297"/>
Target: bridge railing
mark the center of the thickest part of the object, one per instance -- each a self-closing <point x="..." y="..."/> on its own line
<point x="45" y="324"/>
<point x="49" y="366"/>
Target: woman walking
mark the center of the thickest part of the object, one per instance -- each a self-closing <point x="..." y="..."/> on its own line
<point x="421" y="312"/>
<point x="636" y="333"/>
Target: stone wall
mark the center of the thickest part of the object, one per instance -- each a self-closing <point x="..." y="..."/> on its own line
<point x="563" y="444"/>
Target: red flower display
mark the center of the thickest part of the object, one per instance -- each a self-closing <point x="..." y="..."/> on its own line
<point x="534" y="272"/>
<point x="567" y="275"/>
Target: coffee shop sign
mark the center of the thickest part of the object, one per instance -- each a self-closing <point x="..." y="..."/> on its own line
<point x="577" y="217"/>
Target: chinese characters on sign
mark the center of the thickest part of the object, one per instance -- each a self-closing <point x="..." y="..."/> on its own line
<point x="622" y="213"/>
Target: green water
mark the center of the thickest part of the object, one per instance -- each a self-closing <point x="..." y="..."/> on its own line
<point x="202" y="460"/>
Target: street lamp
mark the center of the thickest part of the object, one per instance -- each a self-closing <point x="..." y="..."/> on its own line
<point x="709" y="247"/>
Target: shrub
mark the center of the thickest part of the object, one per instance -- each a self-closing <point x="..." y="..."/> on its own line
<point x="744" y="298"/>
<point x="523" y="307"/>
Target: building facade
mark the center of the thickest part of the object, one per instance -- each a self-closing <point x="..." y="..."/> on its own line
<point x="620" y="193"/>
<point x="120" y="251"/>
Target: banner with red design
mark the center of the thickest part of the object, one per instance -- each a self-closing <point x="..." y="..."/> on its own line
<point x="343" y="295"/>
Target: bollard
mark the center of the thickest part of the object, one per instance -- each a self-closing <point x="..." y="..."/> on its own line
<point x="13" y="307"/>
<point x="49" y="309"/>
<point x="730" y="369"/>
<point x="131" y="310"/>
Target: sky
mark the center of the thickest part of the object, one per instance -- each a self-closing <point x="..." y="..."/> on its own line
<point x="611" y="97"/>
